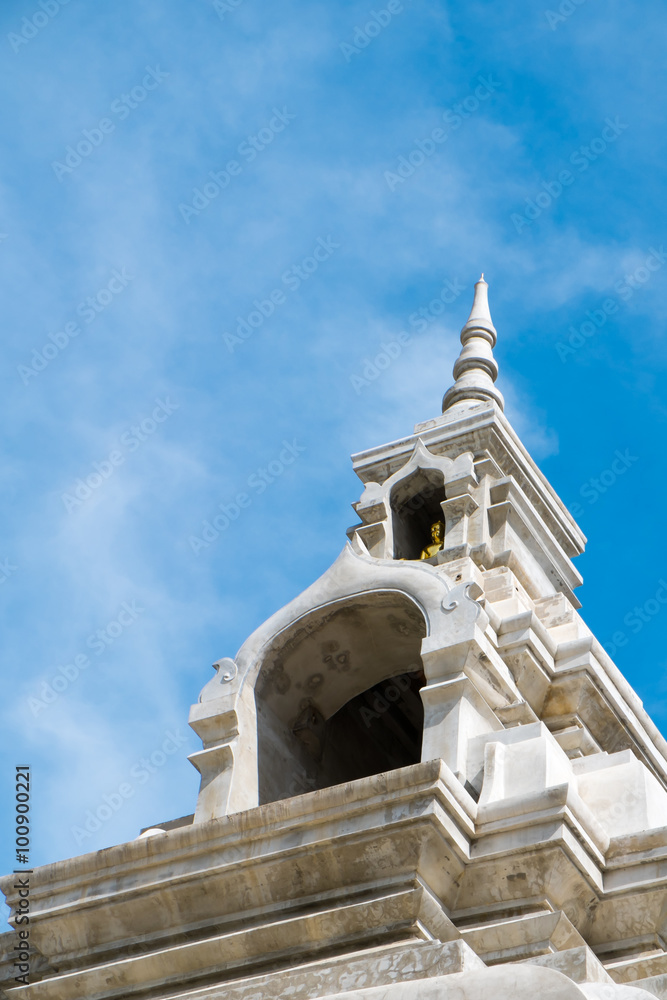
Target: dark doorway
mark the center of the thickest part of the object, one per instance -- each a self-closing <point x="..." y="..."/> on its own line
<point x="379" y="730"/>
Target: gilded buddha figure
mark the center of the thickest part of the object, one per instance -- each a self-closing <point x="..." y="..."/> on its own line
<point x="437" y="540"/>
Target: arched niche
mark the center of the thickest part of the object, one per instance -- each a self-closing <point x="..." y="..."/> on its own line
<point x="337" y="695"/>
<point x="247" y="713"/>
<point x="415" y="506"/>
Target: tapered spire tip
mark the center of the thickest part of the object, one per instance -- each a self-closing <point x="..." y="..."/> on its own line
<point x="475" y="370"/>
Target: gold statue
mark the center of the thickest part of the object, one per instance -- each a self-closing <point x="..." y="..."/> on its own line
<point x="437" y="538"/>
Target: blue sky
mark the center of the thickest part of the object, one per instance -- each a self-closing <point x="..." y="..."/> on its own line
<point x="545" y="171"/>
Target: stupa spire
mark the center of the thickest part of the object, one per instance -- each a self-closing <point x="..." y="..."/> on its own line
<point x="475" y="369"/>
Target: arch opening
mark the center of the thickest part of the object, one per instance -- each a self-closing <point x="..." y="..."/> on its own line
<point x="337" y="695"/>
<point x="415" y="504"/>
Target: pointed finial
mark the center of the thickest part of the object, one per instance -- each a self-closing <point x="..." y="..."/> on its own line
<point x="475" y="369"/>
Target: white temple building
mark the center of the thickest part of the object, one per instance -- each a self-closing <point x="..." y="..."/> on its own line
<point x="422" y="778"/>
